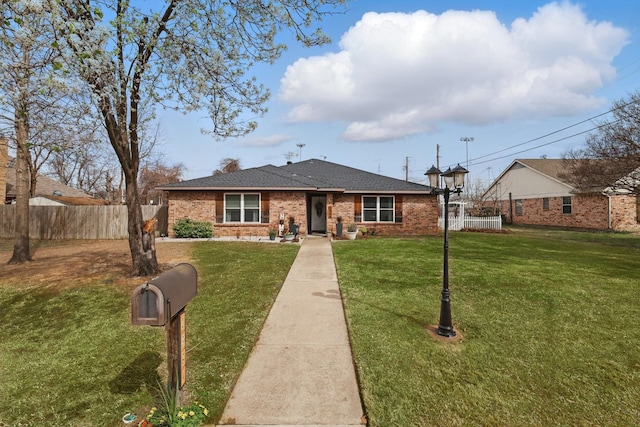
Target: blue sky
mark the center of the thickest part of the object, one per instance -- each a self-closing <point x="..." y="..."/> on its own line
<point x="403" y="77"/>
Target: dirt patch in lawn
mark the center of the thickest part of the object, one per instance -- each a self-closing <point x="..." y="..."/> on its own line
<point x="62" y="264"/>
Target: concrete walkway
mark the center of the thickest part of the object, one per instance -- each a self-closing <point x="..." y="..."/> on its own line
<point x="301" y="371"/>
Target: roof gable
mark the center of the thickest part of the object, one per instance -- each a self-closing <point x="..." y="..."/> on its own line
<point x="526" y="178"/>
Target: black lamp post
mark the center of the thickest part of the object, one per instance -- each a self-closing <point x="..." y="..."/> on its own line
<point x="453" y="183"/>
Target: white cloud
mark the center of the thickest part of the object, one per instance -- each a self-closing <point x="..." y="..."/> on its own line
<point x="265" y="141"/>
<point x="400" y="74"/>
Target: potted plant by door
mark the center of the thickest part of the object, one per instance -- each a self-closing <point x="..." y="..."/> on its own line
<point x="352" y="231"/>
<point x="339" y="227"/>
<point x="272" y="234"/>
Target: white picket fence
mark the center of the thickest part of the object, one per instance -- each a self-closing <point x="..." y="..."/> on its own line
<point x="483" y="222"/>
<point x="458" y="220"/>
<point x="479" y="222"/>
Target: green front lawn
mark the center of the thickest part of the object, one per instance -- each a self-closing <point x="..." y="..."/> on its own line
<point x="548" y="319"/>
<point x="71" y="357"/>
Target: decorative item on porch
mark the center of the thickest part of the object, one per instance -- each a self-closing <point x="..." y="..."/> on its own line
<point x="352" y="231"/>
<point x="339" y="226"/>
<point x="293" y="227"/>
<point x="364" y="232"/>
<point x="272" y="234"/>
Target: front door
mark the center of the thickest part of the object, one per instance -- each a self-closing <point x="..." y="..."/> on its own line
<point x="319" y="214"/>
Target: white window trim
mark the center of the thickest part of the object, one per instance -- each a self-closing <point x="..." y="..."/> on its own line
<point x="393" y="209"/>
<point x="242" y="208"/>
<point x="570" y="205"/>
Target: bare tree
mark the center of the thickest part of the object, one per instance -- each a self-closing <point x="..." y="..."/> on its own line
<point x="228" y="165"/>
<point x="155" y="173"/>
<point x="473" y="192"/>
<point x="82" y="160"/>
<point x="189" y="54"/>
<point x="29" y="91"/>
<point x="59" y="133"/>
<point x="611" y="154"/>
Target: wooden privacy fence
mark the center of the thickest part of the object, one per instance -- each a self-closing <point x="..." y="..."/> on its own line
<point x="79" y="222"/>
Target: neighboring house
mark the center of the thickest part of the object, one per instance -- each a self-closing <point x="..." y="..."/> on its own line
<point x="532" y="191"/>
<point x="66" y="201"/>
<point x="314" y="192"/>
<point x="47" y="188"/>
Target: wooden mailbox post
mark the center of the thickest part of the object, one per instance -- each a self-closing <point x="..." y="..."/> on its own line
<point x="161" y="302"/>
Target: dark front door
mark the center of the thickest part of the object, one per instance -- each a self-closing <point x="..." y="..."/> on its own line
<point x="318" y="215"/>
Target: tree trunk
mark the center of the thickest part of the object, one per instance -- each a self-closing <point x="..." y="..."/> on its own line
<point x="21" y="251"/>
<point x="143" y="251"/>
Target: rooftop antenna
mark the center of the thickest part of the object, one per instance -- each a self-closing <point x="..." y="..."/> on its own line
<point x="290" y="155"/>
<point x="300" y="145"/>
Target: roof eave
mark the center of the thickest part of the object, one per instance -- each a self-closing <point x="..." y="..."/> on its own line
<point x="236" y="188"/>
<point x="427" y="192"/>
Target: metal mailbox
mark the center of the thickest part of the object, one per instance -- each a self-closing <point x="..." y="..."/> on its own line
<point x="161" y="298"/>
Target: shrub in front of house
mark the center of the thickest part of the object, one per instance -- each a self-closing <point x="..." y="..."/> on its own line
<point x="188" y="229"/>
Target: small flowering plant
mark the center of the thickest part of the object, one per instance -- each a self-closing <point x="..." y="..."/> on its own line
<point x="185" y="416"/>
<point x="171" y="415"/>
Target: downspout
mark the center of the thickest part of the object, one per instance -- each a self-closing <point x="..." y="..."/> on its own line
<point x="510" y="209"/>
<point x="609" y="214"/>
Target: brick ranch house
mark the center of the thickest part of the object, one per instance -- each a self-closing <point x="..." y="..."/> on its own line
<point x="532" y="192"/>
<point x="314" y="192"/>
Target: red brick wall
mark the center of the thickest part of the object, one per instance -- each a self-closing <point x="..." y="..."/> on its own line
<point x="624" y="213"/>
<point x="201" y="206"/>
<point x="419" y="213"/>
<point x="587" y="211"/>
<point x="291" y="204"/>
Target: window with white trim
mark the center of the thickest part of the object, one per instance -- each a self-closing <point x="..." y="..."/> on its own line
<point x="378" y="208"/>
<point x="566" y="204"/>
<point x="240" y="207"/>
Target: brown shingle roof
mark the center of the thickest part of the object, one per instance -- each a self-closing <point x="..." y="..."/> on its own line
<point x="550" y="167"/>
<point x="44" y="187"/>
<point x="308" y="175"/>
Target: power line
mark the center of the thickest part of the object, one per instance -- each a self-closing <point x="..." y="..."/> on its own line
<point x="549" y="134"/>
<point x="475" y="160"/>
<point x="546" y="143"/>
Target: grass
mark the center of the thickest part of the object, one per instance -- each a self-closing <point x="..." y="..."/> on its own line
<point x="548" y="321"/>
<point x="239" y="283"/>
<point x="71" y="357"/>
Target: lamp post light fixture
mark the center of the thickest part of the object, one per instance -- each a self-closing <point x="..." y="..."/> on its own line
<point x="453" y="183"/>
